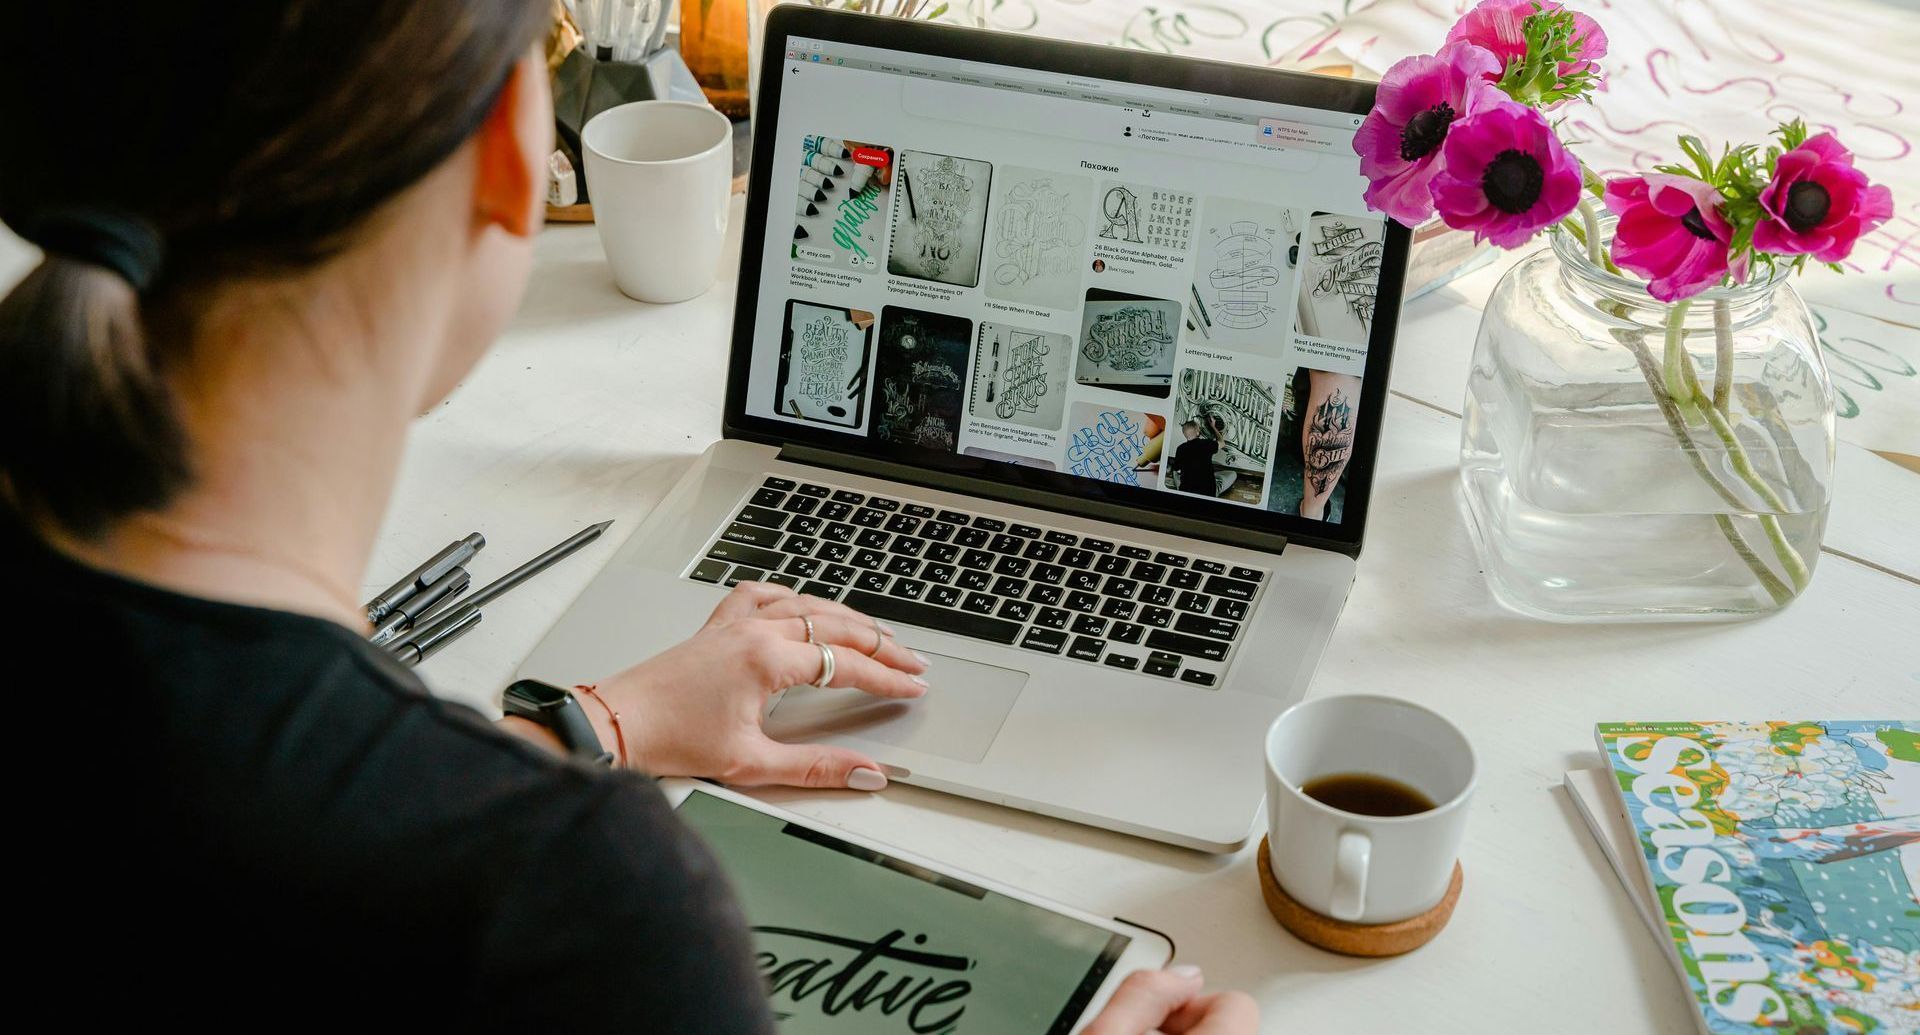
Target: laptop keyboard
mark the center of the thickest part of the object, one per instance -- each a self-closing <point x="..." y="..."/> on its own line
<point x="1099" y="601"/>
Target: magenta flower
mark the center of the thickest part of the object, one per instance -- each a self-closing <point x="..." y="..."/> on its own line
<point x="1671" y="232"/>
<point x="1818" y="204"/>
<point x="1504" y="175"/>
<point x="1418" y="100"/>
<point x="1494" y="25"/>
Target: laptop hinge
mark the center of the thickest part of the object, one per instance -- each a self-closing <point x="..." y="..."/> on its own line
<point x="1026" y="496"/>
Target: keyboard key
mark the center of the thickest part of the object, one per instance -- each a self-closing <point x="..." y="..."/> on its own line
<point x="1076" y="558"/>
<point x="902" y="566"/>
<point x="882" y="503"/>
<point x="938" y="574"/>
<point x="804" y="567"/>
<point x="1149" y="572"/>
<point x="869" y="559"/>
<point x="1159" y="596"/>
<point x="1194" y="675"/>
<point x="945" y="553"/>
<point x="1126" y="661"/>
<point x="907" y="612"/>
<point x="767" y="497"/>
<point x="1015" y="566"/>
<point x="1126" y="632"/>
<point x="1158" y="617"/>
<point x="972" y="537"/>
<point x="872" y="537"/>
<point x="1084" y="580"/>
<point x="833" y="511"/>
<point x="1008" y="586"/>
<point x="783" y="484"/>
<point x="1052" y="618"/>
<point x="1247" y="574"/>
<point x="1096" y="545"/>
<point x="1136" y="553"/>
<point x="1024" y="531"/>
<point x="741" y="553"/>
<point x="872" y="581"/>
<point x="837" y="574"/>
<point x="742" y="573"/>
<point x="822" y="589"/>
<point x="988" y="524"/>
<point x="1086" y="648"/>
<point x="919" y="510"/>
<point x="1210" y="567"/>
<point x="979" y="603"/>
<point x="867" y="517"/>
<point x="709" y="571"/>
<point x="1200" y="625"/>
<point x="1004" y="543"/>
<point x="980" y="559"/>
<point x="798" y="504"/>
<point x="1122" y="588"/>
<point x="762" y="517"/>
<point x="833" y="553"/>
<point x="1118" y="608"/>
<point x="783" y="579"/>
<point x="1183" y="578"/>
<point x="1194" y="602"/>
<point x="1232" y="610"/>
<point x="848" y="496"/>
<point x="1171" y="560"/>
<point x="816" y="491"/>
<point x="838" y="532"/>
<point x="938" y="531"/>
<point x="1039" y="551"/>
<point x="1051" y="574"/>
<point x="804" y="526"/>
<point x="799" y="544"/>
<point x="945" y="596"/>
<point x="1112" y="565"/>
<point x="906" y="547"/>
<point x="1047" y="640"/>
<point x="1158" y="665"/>
<point x="1180" y="643"/>
<point x="1082" y="602"/>
<point x="753" y="535"/>
<point x="1090" y="625"/>
<point x="1016" y="610"/>
<point x="1042" y="594"/>
<point x="953" y="517"/>
<point x="903" y="524"/>
<point x="1233" y="589"/>
<point x="908" y="589"/>
<point x="971" y="579"/>
<point x="1062" y="538"/>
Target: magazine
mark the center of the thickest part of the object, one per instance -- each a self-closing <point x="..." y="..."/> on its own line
<point x="1781" y="862"/>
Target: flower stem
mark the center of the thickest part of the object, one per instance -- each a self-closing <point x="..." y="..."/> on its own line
<point x="1722" y="355"/>
<point x="1592" y="237"/>
<point x="1670" y="367"/>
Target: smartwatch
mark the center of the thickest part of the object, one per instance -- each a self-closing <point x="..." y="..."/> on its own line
<point x="549" y="706"/>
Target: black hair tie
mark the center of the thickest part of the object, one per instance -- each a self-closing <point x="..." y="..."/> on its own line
<point x="122" y="242"/>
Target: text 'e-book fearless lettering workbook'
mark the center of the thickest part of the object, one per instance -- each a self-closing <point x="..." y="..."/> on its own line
<point x="1778" y="862"/>
<point x="1014" y="265"/>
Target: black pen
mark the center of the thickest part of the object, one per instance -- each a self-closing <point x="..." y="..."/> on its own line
<point x="436" y="568"/>
<point x="417" y="607"/>
<point x="442" y="634"/>
<point x="485" y="594"/>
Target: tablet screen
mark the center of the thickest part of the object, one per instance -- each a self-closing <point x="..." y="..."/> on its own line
<point x="851" y="940"/>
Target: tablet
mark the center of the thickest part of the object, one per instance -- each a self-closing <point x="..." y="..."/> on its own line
<point x="854" y="937"/>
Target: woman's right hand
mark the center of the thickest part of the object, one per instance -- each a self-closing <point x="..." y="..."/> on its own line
<point x="1174" y="1001"/>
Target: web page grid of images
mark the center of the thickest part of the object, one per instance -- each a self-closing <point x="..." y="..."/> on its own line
<point x="1123" y="331"/>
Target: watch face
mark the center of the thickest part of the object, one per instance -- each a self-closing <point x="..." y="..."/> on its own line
<point x="536" y="694"/>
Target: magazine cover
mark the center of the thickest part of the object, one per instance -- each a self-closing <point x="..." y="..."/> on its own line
<point x="1785" y="858"/>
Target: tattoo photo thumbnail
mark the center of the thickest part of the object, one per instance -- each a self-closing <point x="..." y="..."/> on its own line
<point x="1339" y="276"/>
<point x="1127" y="342"/>
<point x="939" y="218"/>
<point x="823" y="363"/>
<point x="1222" y="436"/>
<point x="920" y="378"/>
<point x="1317" y="425"/>
<point x="1020" y="376"/>
<point x="842" y="206"/>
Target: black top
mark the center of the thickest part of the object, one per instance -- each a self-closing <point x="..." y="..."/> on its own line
<point x="245" y="817"/>
<point x="1193" y="462"/>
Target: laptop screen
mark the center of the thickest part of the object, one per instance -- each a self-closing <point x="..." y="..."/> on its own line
<point x="1105" y="288"/>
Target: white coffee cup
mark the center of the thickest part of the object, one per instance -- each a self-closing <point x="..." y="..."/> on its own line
<point x="658" y="174"/>
<point x="1366" y="869"/>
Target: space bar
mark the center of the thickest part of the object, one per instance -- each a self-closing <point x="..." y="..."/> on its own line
<point x="927" y="616"/>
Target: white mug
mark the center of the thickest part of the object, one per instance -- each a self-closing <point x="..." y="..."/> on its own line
<point x="658" y="174"/>
<point x="1366" y="869"/>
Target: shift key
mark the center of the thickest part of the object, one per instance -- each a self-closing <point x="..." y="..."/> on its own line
<point x="741" y="553"/>
<point x="1192" y="646"/>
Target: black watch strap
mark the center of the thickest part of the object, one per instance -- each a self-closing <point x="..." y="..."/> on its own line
<point x="557" y="710"/>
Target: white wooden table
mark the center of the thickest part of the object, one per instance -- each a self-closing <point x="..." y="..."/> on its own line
<point x="592" y="405"/>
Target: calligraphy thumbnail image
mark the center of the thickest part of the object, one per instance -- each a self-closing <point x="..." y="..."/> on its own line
<point x="1115" y="444"/>
<point x="823" y="363"/>
<point x="841" y="211"/>
<point x="1039" y="236"/>
<point x="939" y="218"/>
<point x="920" y="378"/>
<point x="1152" y="217"/>
<point x="1319" y="414"/>
<point x="1020" y="376"/>
<point x="1339" y="276"/>
<point x="1127" y="342"/>
<point x="1244" y="278"/>
<point x="1221" y="440"/>
<point x="1008" y="458"/>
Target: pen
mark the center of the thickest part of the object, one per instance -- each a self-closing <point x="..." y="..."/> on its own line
<point x="420" y="605"/>
<point x="492" y="590"/>
<point x="420" y="650"/>
<point x="455" y="555"/>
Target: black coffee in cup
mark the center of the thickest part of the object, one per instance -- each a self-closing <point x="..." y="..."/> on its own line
<point x="1365" y="794"/>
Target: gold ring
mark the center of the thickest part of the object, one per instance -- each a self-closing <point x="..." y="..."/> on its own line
<point x="879" y="638"/>
<point x="808" y="622"/>
<point x="826" y="665"/>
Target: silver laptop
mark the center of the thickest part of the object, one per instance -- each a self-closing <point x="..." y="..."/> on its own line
<point x="1066" y="361"/>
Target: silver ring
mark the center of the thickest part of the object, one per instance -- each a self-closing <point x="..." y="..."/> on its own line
<point x="879" y="638"/>
<point x="808" y="622"/>
<point x="826" y="665"/>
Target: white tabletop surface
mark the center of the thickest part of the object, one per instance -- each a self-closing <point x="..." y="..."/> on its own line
<point x="592" y="405"/>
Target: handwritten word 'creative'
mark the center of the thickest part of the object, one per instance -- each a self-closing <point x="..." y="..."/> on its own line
<point x="928" y="1003"/>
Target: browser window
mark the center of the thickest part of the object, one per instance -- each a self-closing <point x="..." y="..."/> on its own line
<point x="1118" y="282"/>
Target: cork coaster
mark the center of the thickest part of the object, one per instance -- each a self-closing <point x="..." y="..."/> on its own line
<point x="1350" y="939"/>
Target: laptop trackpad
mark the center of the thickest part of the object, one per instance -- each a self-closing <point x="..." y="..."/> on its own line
<point x="957" y="718"/>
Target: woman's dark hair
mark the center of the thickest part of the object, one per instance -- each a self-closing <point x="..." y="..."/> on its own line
<point x="158" y="150"/>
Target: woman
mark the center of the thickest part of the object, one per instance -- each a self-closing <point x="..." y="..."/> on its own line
<point x="272" y="233"/>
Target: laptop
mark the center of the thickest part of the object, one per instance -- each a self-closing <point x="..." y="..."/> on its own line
<point x="1066" y="361"/>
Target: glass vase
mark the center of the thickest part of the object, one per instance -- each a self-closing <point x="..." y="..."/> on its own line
<point x="1623" y="459"/>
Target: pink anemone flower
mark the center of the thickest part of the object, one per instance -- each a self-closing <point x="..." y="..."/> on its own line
<point x="1819" y="204"/>
<point x="1505" y="176"/>
<point x="1417" y="104"/>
